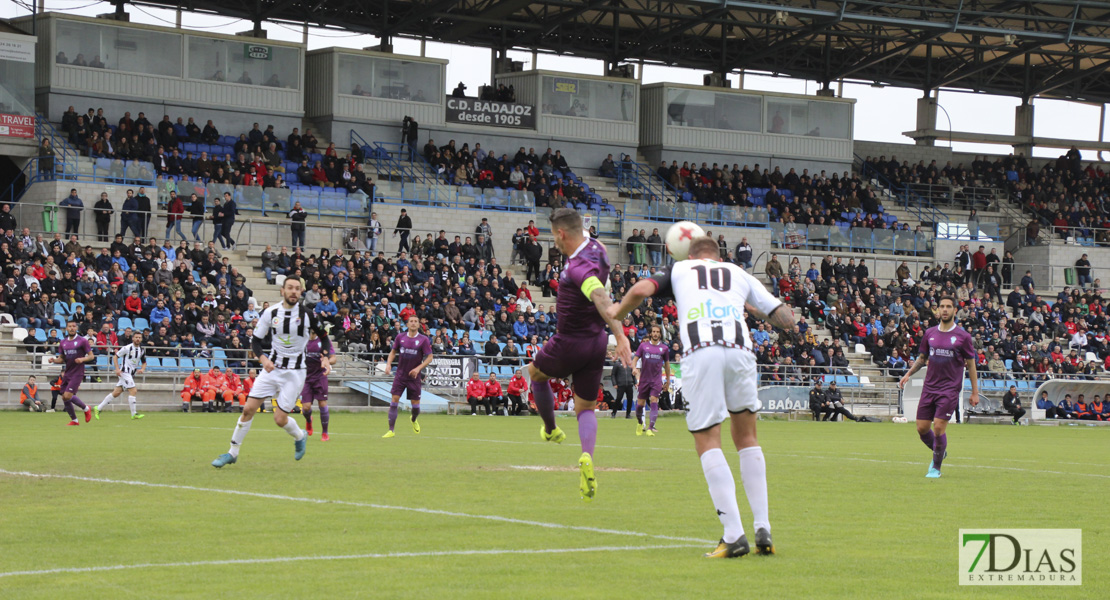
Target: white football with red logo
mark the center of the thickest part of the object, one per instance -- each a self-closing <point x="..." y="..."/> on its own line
<point x="679" y="237"/>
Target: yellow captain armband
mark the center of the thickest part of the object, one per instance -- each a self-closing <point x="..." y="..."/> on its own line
<point x="592" y="283"/>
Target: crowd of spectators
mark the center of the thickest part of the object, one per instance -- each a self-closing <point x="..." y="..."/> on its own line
<point x="259" y="157"/>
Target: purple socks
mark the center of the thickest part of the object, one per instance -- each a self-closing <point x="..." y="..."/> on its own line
<point x="69" y="409"/>
<point x="324" y="418"/>
<point x="640" y="413"/>
<point x="938" y="450"/>
<point x="587" y="430"/>
<point x="928" y="439"/>
<point x="392" y="415"/>
<point x="545" y="404"/>
<point x="415" y="412"/>
<point x="654" y="413"/>
<point x="307" y="412"/>
<point x="77" y="401"/>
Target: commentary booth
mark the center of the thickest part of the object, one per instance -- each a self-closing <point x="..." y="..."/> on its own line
<point x="744" y="126"/>
<point x="119" y="66"/>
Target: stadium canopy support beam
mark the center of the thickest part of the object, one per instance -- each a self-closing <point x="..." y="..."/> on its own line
<point x="926" y="119"/>
<point x="1023" y="128"/>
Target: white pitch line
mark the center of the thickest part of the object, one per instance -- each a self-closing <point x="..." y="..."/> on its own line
<point x="415" y="509"/>
<point x="961" y="466"/>
<point x="287" y="559"/>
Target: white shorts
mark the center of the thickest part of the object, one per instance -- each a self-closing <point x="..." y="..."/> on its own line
<point x="125" y="381"/>
<point x="283" y="384"/>
<point x="717" y="381"/>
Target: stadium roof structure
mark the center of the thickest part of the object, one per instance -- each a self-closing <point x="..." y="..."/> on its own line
<point x="1019" y="48"/>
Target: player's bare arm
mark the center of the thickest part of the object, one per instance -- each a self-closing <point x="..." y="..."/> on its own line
<point x="415" y="372"/>
<point x="781" y="318"/>
<point x="389" y="361"/>
<point x="600" y="297"/>
<point x="974" y="375"/>
<point x="917" y="365"/>
<point x="115" y="363"/>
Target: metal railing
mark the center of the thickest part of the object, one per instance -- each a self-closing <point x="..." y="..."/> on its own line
<point x="396" y="161"/>
<point x="639" y="180"/>
<point x="840" y="238"/>
<point x="710" y="214"/>
<point x="921" y="208"/>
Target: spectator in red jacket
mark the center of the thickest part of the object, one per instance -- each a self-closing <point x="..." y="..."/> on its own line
<point x="515" y="391"/>
<point x="476" y="394"/>
<point x="320" y="176"/>
<point x="133" y="305"/>
<point x="493" y="394"/>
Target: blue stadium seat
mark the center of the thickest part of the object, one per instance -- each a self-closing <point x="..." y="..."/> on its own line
<point x="141" y="323"/>
<point x="202" y="363"/>
<point x="124" y="323"/>
<point x="102" y="362"/>
<point x="185" y="364"/>
<point x="168" y="364"/>
<point x="153" y="363"/>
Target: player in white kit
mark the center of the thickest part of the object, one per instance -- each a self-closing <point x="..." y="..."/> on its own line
<point x="283" y="368"/>
<point x="129" y="361"/>
<point x="719" y="377"/>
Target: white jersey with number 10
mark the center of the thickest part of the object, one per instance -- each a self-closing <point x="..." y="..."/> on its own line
<point x="710" y="296"/>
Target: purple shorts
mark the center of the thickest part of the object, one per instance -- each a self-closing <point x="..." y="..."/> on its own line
<point x="72" y="381"/>
<point x="314" y="390"/>
<point x="401" y="384"/>
<point x="933" y="406"/>
<point x="584" y="358"/>
<point x="649" y="389"/>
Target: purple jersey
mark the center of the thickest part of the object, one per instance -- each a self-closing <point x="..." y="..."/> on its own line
<point x="946" y="352"/>
<point x="577" y="315"/>
<point x="71" y="350"/>
<point x="652" y="357"/>
<point x="411" y="351"/>
<point x="313" y="360"/>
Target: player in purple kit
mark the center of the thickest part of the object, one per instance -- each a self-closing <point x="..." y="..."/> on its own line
<point x="579" y="347"/>
<point x="316" y="384"/>
<point x="413" y="351"/>
<point x="74" y="352"/>
<point x="947" y="349"/>
<point x="653" y="354"/>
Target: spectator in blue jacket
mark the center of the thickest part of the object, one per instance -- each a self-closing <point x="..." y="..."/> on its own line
<point x="520" y="330"/>
<point x="73" y="205"/>
<point x="160" y="312"/>
<point x="325" y="307"/>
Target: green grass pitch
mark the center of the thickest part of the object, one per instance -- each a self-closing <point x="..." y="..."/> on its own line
<point x="478" y="507"/>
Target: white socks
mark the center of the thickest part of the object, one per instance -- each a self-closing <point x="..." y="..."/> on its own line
<point x="131" y="403"/>
<point x="104" y="402"/>
<point x="753" y="472"/>
<point x="293" y="429"/>
<point x="237" y="436"/>
<point x="722" y="488"/>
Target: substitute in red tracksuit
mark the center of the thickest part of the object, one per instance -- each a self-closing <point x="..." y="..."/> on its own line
<point x="476" y="394"/>
<point x="194" y="390"/>
<point x="235" y="388"/>
<point x="216" y="394"/>
<point x="494" y="399"/>
<point x="515" y="392"/>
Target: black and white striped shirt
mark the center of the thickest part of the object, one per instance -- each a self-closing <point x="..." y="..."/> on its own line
<point x="288" y="329"/>
<point x="130" y="359"/>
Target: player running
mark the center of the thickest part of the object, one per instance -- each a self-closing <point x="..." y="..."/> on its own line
<point x="283" y="368"/>
<point x="316" y="385"/>
<point x="579" y="347"/>
<point x="415" y="352"/>
<point x="719" y="377"/>
<point x="73" y="352"/>
<point x="653" y="355"/>
<point x="129" y="360"/>
<point x="947" y="349"/>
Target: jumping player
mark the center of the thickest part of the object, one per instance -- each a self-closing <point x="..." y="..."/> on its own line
<point x="73" y="352"/>
<point x="316" y="385"/>
<point x="579" y="347"/>
<point x="129" y="360"/>
<point x="719" y="377"/>
<point x="947" y="349"/>
<point x="653" y="354"/>
<point x="283" y="368"/>
<point x="415" y="352"/>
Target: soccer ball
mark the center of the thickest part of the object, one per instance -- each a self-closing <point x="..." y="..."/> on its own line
<point x="679" y="237"/>
<point x="900" y="420"/>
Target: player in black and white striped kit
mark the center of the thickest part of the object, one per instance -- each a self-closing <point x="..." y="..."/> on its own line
<point x="283" y="367"/>
<point x="719" y="377"/>
<point x="129" y="360"/>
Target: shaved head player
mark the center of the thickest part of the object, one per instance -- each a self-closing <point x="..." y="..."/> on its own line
<point x="947" y="349"/>
<point x="579" y="347"/>
<point x="719" y="377"/>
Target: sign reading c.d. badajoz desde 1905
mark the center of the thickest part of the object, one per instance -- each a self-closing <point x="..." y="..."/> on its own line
<point x="472" y="111"/>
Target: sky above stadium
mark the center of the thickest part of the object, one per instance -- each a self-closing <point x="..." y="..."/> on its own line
<point x="881" y="114"/>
